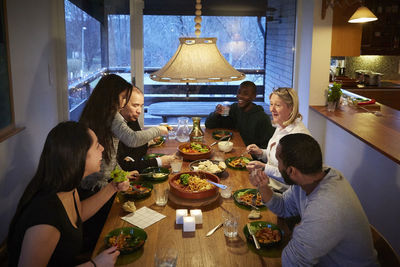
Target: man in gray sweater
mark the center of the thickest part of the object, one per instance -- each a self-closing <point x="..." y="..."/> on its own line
<point x="334" y="230"/>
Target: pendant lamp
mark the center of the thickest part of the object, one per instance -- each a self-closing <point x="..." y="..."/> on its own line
<point x="197" y="60"/>
<point x="362" y="14"/>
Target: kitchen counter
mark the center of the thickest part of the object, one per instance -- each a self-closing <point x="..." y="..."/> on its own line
<point x="380" y="132"/>
<point x="385" y="84"/>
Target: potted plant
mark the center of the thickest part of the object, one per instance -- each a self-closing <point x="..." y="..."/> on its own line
<point x="334" y="94"/>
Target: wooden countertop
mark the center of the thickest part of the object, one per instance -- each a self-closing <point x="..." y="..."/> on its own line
<point x="195" y="249"/>
<point x="380" y="132"/>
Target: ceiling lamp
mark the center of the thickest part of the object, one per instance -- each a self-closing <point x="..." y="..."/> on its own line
<point x="362" y="14"/>
<point x="197" y="60"/>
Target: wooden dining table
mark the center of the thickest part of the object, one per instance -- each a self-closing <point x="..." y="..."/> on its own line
<point x="194" y="248"/>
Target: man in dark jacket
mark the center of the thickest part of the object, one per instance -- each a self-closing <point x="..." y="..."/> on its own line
<point x="248" y="118"/>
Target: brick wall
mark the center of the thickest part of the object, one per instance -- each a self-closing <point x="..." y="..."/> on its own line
<point x="280" y="44"/>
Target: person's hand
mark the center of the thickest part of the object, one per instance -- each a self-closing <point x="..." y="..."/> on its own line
<point x="163" y="129"/>
<point x="107" y="258"/>
<point x="255" y="164"/>
<point x="219" y="109"/>
<point x="258" y="178"/>
<point x="122" y="186"/>
<point x="166" y="160"/>
<point x="133" y="175"/>
<point x="254" y="149"/>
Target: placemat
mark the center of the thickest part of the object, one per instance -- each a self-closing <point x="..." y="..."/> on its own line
<point x="143" y="217"/>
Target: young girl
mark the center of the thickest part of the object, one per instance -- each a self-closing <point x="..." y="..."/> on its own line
<point x="47" y="226"/>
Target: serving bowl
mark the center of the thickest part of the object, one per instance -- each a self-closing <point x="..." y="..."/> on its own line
<point x="194" y="155"/>
<point x="225" y="146"/>
<point x="194" y="166"/>
<point x="179" y="191"/>
<point x="155" y="174"/>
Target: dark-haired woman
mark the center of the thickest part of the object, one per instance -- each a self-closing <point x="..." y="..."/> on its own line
<point x="47" y="227"/>
<point x="101" y="114"/>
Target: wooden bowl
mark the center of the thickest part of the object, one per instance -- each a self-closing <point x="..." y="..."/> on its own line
<point x="179" y="191"/>
<point x="194" y="156"/>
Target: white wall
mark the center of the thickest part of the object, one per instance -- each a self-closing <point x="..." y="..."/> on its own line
<point x="35" y="98"/>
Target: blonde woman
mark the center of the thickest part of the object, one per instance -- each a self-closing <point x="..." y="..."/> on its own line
<point x="284" y="107"/>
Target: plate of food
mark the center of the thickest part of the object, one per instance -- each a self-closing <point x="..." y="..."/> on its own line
<point x="158" y="141"/>
<point x="194" y="151"/>
<point x="237" y="163"/>
<point x="138" y="190"/>
<point x="155" y="174"/>
<point x="127" y="239"/>
<point x="152" y="156"/>
<point x="218" y="134"/>
<point x="193" y="185"/>
<point x="267" y="234"/>
<point x="206" y="165"/>
<point x="245" y="196"/>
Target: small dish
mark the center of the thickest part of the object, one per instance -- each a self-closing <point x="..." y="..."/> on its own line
<point x="152" y="156"/>
<point x="128" y="239"/>
<point x="246" y="201"/>
<point x="158" y="141"/>
<point x="225" y="146"/>
<point x="218" y="134"/>
<point x="267" y="234"/>
<point x="237" y="163"/>
<point x="155" y="173"/>
<point x="138" y="190"/>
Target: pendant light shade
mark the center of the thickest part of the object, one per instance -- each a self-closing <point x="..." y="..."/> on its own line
<point x="362" y="14"/>
<point x="197" y="60"/>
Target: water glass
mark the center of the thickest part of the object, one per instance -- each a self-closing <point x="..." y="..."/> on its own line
<point x="165" y="257"/>
<point x="176" y="164"/>
<point x="231" y="221"/>
<point x="331" y="106"/>
<point x="161" y="194"/>
<point x="226" y="193"/>
<point x="225" y="108"/>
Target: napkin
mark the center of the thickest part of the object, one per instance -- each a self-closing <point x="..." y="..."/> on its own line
<point x="143" y="217"/>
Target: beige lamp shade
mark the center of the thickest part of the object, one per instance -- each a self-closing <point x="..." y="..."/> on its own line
<point x="197" y="60"/>
<point x="362" y="14"/>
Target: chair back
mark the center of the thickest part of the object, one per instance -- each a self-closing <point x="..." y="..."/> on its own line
<point x="387" y="256"/>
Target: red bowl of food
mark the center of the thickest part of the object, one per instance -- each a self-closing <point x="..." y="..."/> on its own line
<point x="194" y="151"/>
<point x="193" y="185"/>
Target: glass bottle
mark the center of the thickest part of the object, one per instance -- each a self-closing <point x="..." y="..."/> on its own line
<point x="197" y="134"/>
<point x="182" y="132"/>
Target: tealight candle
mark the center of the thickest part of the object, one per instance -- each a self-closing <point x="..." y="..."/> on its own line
<point x="189" y="224"/>
<point x="198" y="216"/>
<point x="180" y="213"/>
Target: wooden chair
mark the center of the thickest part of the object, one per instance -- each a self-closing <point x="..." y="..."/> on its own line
<point x="387" y="256"/>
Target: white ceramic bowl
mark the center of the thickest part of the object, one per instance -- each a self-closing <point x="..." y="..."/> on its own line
<point x="225" y="146"/>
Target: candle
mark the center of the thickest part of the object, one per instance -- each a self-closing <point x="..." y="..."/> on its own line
<point x="189" y="224"/>
<point x="180" y="213"/>
<point x="198" y="216"/>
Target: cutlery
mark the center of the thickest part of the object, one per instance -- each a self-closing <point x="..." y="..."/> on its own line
<point x="251" y="232"/>
<point x="213" y="143"/>
<point x="214" y="229"/>
<point x="217" y="185"/>
<point x="248" y="204"/>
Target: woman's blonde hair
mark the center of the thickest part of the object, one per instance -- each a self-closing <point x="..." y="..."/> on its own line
<point x="289" y="96"/>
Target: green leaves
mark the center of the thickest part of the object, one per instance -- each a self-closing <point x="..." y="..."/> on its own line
<point x="119" y="175"/>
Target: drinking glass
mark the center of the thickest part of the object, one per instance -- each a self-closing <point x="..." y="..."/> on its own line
<point x="165" y="257"/>
<point x="161" y="194"/>
<point x="225" y="108"/>
<point x="226" y="193"/>
<point x="176" y="164"/>
<point x="231" y="220"/>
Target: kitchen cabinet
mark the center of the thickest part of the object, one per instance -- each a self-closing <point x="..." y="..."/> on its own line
<point x="346" y="37"/>
<point x="382" y="37"/>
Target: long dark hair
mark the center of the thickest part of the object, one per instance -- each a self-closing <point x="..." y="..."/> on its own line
<point x="101" y="108"/>
<point x="61" y="165"/>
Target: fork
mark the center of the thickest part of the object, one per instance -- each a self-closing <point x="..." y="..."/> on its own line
<point x="254" y="199"/>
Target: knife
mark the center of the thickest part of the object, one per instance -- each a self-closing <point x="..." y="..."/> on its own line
<point x="214" y="229"/>
<point x="251" y="232"/>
